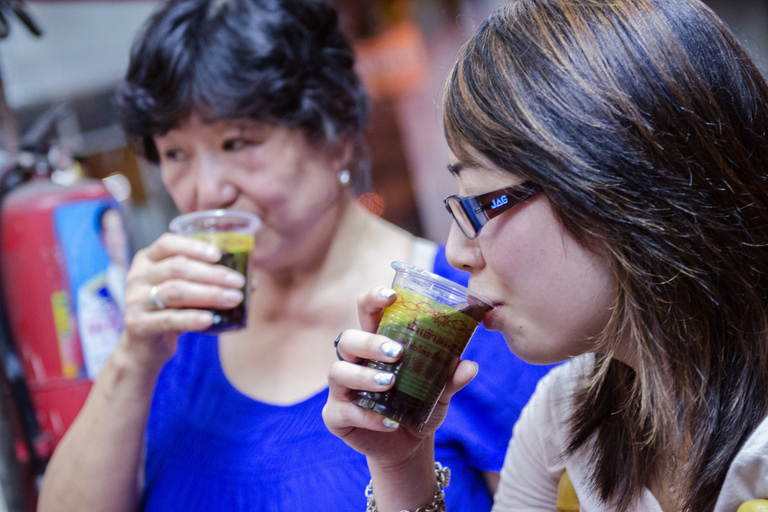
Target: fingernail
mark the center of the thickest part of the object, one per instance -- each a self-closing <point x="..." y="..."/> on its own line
<point x="477" y="369"/>
<point x="383" y="379"/>
<point x="212" y="252"/>
<point x="390" y="423"/>
<point x="233" y="296"/>
<point x="235" y="279"/>
<point x="387" y="293"/>
<point x="391" y="349"/>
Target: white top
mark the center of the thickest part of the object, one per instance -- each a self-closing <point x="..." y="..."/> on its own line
<point x="533" y="464"/>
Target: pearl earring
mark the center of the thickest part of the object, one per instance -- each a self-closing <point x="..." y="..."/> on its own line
<point x="344" y="177"/>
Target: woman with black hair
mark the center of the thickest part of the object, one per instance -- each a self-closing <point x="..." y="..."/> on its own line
<point x="254" y="105"/>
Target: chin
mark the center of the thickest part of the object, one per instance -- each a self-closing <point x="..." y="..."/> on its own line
<point x="532" y="351"/>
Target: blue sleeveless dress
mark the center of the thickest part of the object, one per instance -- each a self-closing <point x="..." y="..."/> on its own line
<point x="210" y="448"/>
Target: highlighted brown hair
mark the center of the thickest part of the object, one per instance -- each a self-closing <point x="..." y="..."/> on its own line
<point x="645" y="123"/>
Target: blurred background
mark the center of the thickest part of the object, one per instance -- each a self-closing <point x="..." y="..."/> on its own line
<point x="60" y="61"/>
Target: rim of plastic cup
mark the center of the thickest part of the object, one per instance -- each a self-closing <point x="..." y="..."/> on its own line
<point x="439" y="280"/>
<point x="177" y="223"/>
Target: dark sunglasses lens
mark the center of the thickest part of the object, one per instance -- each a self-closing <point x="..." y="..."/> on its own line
<point x="461" y="217"/>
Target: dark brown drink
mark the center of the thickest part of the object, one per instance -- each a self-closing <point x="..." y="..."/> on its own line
<point x="235" y="251"/>
<point x="433" y="336"/>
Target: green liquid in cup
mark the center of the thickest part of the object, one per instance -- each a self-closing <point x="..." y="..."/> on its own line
<point x="235" y="254"/>
<point x="433" y="336"/>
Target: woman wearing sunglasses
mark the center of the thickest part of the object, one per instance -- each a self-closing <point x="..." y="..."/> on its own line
<point x="612" y="161"/>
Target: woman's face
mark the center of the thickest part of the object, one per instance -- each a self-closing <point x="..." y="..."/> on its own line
<point x="552" y="296"/>
<point x="115" y="238"/>
<point x="271" y="171"/>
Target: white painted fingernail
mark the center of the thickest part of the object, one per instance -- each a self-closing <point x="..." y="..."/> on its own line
<point x="383" y="379"/>
<point x="391" y="349"/>
<point x="387" y="293"/>
<point x="390" y="423"/>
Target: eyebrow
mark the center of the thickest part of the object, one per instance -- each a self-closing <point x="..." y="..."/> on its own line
<point x="239" y="124"/>
<point x="456" y="168"/>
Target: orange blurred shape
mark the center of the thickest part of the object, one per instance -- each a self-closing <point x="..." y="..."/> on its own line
<point x="372" y="202"/>
<point x="393" y="62"/>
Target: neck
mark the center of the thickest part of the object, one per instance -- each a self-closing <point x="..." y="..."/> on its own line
<point x="337" y="262"/>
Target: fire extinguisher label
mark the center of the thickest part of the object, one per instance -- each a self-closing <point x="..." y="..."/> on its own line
<point x="94" y="243"/>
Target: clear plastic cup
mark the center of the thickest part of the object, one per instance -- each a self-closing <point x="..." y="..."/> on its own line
<point x="433" y="318"/>
<point x="232" y="233"/>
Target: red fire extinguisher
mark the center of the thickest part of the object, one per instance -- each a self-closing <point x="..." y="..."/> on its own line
<point x="40" y="298"/>
<point x="60" y="316"/>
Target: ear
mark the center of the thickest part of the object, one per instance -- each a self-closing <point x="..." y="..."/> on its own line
<point x="342" y="152"/>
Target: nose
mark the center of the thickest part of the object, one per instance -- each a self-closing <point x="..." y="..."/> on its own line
<point x="461" y="252"/>
<point x="215" y="186"/>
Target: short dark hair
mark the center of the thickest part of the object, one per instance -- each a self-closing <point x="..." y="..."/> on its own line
<point x="282" y="62"/>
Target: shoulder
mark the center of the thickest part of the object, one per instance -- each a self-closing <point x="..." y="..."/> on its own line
<point x="534" y="462"/>
<point x="423" y="253"/>
<point x="747" y="478"/>
<point x="544" y="422"/>
<point x="553" y="397"/>
<point x="573" y="373"/>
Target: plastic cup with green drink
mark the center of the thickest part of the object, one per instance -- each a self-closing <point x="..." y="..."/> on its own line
<point x="433" y="318"/>
<point x="231" y="232"/>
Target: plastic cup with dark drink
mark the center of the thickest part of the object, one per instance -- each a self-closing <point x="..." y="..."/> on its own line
<point x="433" y="318"/>
<point x="231" y="232"/>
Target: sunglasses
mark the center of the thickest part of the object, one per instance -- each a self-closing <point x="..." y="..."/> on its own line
<point x="473" y="212"/>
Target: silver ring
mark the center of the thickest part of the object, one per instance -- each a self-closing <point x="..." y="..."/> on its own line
<point x="154" y="299"/>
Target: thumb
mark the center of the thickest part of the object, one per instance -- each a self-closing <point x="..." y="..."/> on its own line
<point x="464" y="373"/>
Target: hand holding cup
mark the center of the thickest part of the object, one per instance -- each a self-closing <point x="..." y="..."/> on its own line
<point x="175" y="285"/>
<point x="368" y="357"/>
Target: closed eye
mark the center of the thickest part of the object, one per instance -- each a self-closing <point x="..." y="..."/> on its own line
<point x="235" y="144"/>
<point x="175" y="155"/>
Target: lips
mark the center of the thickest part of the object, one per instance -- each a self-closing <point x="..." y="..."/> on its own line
<point x="491" y="318"/>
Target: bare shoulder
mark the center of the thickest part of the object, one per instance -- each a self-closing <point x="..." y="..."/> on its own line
<point x="385" y="242"/>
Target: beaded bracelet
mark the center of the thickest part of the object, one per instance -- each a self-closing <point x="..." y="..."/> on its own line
<point x="443" y="476"/>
